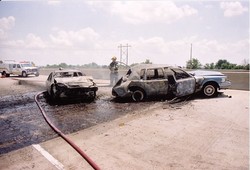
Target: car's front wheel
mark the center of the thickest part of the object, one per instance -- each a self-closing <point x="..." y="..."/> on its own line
<point x="210" y="90"/>
<point x="138" y="95"/>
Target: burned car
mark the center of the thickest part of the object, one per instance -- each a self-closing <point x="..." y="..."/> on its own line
<point x="146" y="80"/>
<point x="70" y="84"/>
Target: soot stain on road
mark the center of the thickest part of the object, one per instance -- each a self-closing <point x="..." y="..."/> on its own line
<point x="22" y="123"/>
<point x="70" y="117"/>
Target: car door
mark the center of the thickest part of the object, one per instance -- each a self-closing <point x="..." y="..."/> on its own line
<point x="156" y="83"/>
<point x="185" y="83"/>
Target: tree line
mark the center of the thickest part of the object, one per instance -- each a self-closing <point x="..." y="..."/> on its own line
<point x="190" y="64"/>
<point x="220" y="64"/>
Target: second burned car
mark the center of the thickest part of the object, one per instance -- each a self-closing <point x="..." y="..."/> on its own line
<point x="147" y="80"/>
<point x="70" y="84"/>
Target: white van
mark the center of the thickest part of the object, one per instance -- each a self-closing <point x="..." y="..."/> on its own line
<point x="23" y="68"/>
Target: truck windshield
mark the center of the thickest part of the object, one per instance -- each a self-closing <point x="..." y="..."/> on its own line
<point x="26" y="65"/>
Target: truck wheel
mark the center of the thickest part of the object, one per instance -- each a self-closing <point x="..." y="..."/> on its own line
<point x="24" y="74"/>
<point x="4" y="74"/>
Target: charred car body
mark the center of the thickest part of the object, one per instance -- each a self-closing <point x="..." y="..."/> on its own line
<point x="70" y="84"/>
<point x="148" y="80"/>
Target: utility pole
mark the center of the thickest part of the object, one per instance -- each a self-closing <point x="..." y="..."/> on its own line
<point x="124" y="53"/>
<point x="191" y="62"/>
<point x="191" y="53"/>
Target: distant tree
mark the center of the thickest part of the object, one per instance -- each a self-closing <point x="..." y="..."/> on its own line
<point x="91" y="65"/>
<point x="209" y="66"/>
<point x="206" y="66"/>
<point x="104" y="66"/>
<point x="222" y="64"/>
<point x="94" y="65"/>
<point x="247" y="67"/>
<point x="193" y="64"/>
<point x="212" y="66"/>
<point x="245" y="62"/>
<point x="134" y="64"/>
<point x="147" y="62"/>
<point x="63" y="65"/>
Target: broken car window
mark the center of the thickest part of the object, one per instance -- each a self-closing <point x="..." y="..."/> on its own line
<point x="142" y="74"/>
<point x="180" y="74"/>
<point x="155" y="74"/>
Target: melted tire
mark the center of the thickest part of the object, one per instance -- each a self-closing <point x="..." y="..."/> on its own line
<point x="138" y="95"/>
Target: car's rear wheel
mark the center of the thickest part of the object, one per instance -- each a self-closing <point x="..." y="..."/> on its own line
<point x="210" y="90"/>
<point x="138" y="95"/>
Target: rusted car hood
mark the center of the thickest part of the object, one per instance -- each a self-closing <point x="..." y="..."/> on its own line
<point x="80" y="81"/>
<point x="205" y="73"/>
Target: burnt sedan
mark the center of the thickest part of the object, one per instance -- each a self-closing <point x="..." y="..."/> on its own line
<point x="70" y="84"/>
<point x="147" y="80"/>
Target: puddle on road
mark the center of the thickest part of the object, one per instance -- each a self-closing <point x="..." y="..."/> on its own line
<point x="81" y="115"/>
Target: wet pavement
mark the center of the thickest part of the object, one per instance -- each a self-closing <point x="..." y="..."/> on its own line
<point x="22" y="124"/>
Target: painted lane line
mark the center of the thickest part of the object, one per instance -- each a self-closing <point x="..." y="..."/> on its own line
<point x="49" y="157"/>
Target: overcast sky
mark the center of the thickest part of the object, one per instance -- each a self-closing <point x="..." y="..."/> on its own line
<point x="81" y="32"/>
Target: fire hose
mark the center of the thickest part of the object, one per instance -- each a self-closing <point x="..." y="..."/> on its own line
<point x="84" y="155"/>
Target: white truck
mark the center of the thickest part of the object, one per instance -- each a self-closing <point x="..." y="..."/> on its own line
<point x="23" y="68"/>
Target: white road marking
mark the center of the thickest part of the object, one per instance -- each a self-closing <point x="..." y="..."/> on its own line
<point x="49" y="157"/>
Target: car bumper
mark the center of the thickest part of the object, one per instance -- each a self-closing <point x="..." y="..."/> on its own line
<point x="120" y="92"/>
<point x="225" y="85"/>
<point x="77" y="92"/>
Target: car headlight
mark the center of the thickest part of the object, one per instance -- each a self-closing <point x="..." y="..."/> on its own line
<point x="223" y="79"/>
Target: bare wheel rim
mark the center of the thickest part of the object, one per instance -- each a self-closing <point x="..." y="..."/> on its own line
<point x="209" y="90"/>
<point x="138" y="95"/>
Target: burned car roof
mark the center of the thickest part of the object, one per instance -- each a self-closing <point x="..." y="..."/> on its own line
<point x="138" y="67"/>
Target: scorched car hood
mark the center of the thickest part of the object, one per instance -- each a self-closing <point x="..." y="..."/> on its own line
<point x="81" y="81"/>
